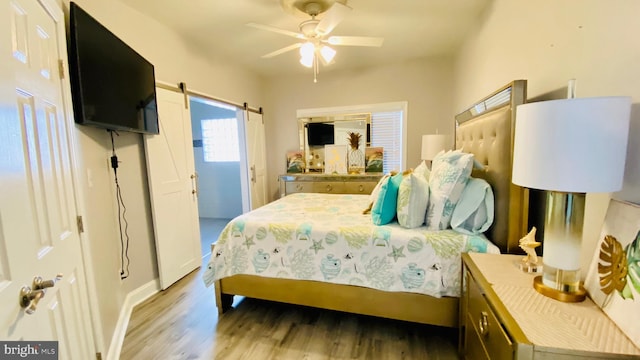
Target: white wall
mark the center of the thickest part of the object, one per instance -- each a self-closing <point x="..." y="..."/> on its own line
<point x="549" y="42"/>
<point x="174" y="62"/>
<point x="425" y="83"/>
<point x="219" y="190"/>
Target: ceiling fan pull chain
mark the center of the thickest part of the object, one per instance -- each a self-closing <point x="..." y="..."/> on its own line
<point x="315" y="69"/>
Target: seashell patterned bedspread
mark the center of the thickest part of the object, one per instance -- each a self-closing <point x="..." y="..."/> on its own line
<point x="325" y="237"/>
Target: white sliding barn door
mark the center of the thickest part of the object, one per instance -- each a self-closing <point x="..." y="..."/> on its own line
<point x="38" y="232"/>
<point x="173" y="189"/>
<point x="256" y="158"/>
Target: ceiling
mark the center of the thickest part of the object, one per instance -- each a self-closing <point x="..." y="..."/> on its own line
<point x="410" y="28"/>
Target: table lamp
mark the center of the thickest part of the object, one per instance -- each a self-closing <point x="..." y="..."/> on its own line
<point x="432" y="145"/>
<point x="569" y="147"/>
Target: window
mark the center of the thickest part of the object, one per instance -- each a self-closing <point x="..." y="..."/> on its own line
<point x="386" y="132"/>
<point x="220" y="140"/>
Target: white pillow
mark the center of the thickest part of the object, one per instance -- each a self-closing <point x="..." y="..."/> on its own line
<point x="450" y="172"/>
<point x="423" y="170"/>
<point x="474" y="212"/>
<point x="413" y="197"/>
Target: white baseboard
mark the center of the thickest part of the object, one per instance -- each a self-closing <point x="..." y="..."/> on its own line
<point x="134" y="298"/>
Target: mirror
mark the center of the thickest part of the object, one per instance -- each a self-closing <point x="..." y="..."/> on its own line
<point x="352" y="130"/>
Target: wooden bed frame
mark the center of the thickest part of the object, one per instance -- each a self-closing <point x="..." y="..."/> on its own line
<point x="486" y="130"/>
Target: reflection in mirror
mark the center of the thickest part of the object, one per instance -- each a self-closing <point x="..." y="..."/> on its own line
<point x="352" y="130"/>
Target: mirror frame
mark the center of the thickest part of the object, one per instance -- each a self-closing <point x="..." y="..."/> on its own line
<point x="329" y="119"/>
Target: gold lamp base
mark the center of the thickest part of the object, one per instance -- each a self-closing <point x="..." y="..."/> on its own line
<point x="577" y="296"/>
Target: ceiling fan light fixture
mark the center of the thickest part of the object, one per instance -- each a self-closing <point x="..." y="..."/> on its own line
<point x="315" y="32"/>
<point x="306" y="61"/>
<point x="307" y="50"/>
<point x="327" y="53"/>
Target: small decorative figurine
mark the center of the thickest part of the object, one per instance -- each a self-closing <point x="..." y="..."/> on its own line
<point x="529" y="244"/>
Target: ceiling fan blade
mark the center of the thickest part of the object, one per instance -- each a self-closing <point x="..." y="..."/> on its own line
<point x="276" y="30"/>
<point x="355" y="40"/>
<point x="332" y="18"/>
<point x="282" y="51"/>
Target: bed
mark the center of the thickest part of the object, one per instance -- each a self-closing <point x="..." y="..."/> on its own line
<point x="334" y="258"/>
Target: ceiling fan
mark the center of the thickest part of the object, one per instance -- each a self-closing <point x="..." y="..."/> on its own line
<point x="314" y="33"/>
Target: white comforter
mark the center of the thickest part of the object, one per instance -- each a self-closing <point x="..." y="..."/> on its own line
<point x="325" y="237"/>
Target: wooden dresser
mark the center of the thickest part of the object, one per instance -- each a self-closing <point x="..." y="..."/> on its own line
<point x="326" y="183"/>
<point x="503" y="317"/>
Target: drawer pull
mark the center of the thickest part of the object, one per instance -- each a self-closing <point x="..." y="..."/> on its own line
<point x="299" y="187"/>
<point x="483" y="323"/>
<point x="361" y="188"/>
<point x="329" y="188"/>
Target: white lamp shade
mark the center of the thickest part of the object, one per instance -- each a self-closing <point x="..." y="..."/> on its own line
<point x="327" y="53"/>
<point x="306" y="61"/>
<point x="307" y="50"/>
<point x="432" y="145"/>
<point x="572" y="145"/>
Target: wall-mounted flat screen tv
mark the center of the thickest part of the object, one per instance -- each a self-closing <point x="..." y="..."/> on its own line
<point x="320" y="134"/>
<point x="112" y="86"/>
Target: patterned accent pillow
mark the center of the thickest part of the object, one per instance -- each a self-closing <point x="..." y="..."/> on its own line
<point x="413" y="197"/>
<point x="384" y="208"/>
<point x="450" y="172"/>
<point x="474" y="212"/>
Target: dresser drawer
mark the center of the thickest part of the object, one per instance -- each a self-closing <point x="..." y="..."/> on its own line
<point x="359" y="188"/>
<point x="327" y="187"/>
<point x="292" y="187"/>
<point x="488" y="329"/>
<point x="474" y="350"/>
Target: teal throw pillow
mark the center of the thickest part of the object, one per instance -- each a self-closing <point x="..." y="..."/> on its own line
<point x="384" y="208"/>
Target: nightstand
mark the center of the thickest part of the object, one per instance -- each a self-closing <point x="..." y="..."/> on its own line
<point x="503" y="317"/>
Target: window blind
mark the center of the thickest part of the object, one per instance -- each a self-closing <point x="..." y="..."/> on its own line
<point x="386" y="132"/>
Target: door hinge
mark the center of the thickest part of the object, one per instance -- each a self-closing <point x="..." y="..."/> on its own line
<point x="80" y="224"/>
<point x="61" y="68"/>
<point x="98" y="356"/>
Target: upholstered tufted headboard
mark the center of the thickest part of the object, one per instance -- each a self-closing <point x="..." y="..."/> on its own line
<point x="486" y="130"/>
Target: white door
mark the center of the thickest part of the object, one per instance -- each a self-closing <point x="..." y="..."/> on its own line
<point x="173" y="188"/>
<point x="38" y="232"/>
<point x="256" y="158"/>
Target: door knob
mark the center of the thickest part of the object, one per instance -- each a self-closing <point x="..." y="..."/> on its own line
<point x="39" y="283"/>
<point x="29" y="297"/>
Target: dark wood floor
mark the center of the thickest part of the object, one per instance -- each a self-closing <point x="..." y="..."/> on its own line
<point x="182" y="323"/>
